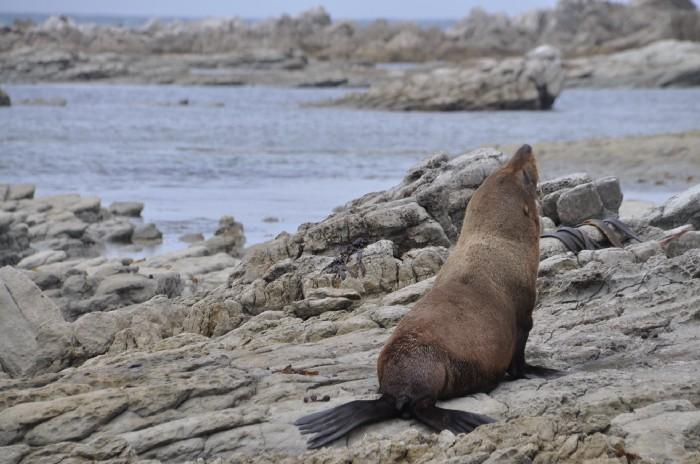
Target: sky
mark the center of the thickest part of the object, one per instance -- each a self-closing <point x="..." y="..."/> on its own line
<point x="357" y="9"/>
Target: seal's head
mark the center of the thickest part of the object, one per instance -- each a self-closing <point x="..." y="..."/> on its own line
<point x="506" y="202"/>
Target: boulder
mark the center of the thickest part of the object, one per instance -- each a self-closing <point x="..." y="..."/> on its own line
<point x="147" y="233"/>
<point x="578" y="204"/>
<point x="126" y="208"/>
<point x="532" y="82"/>
<point x="680" y="209"/>
<point x="666" y="63"/>
<point x="570" y="200"/>
<point x="20" y="192"/>
<point x="28" y="322"/>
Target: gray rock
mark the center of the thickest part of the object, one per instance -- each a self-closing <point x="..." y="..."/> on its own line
<point x="133" y="288"/>
<point x="532" y="82"/>
<point x="578" y="204"/>
<point x="388" y="316"/>
<point x="610" y="193"/>
<point x="42" y="258"/>
<point x="316" y="306"/>
<point x="660" y="432"/>
<point x="549" y="205"/>
<point x="687" y="241"/>
<point x="23" y="311"/>
<point x="71" y="228"/>
<point x="665" y="4"/>
<point x="666" y="63"/>
<point x="20" y="192"/>
<point x="680" y="209"/>
<point x="112" y="230"/>
<point x="126" y="208"/>
<point x="408" y="294"/>
<point x="192" y="238"/>
<point x="564" y="182"/>
<point x="147" y="233"/>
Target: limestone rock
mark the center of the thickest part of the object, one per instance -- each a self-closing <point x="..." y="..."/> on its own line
<point x="678" y="210"/>
<point x="42" y="258"/>
<point x="660" y="432"/>
<point x="579" y="203"/>
<point x="666" y="63"/>
<point x="532" y="82"/>
<point x="23" y="310"/>
<point x="564" y="182"/>
<point x="147" y="233"/>
<point x="126" y="208"/>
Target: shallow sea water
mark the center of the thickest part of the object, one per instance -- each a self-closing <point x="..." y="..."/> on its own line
<point x="256" y="152"/>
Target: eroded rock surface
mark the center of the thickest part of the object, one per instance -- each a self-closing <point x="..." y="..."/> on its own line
<point x="222" y="374"/>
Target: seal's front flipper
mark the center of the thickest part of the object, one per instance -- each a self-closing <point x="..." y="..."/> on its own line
<point x="332" y="424"/>
<point x="543" y="372"/>
<point x="455" y="421"/>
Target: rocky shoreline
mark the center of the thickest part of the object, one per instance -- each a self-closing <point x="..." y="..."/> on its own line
<point x="210" y="354"/>
<point x="603" y="44"/>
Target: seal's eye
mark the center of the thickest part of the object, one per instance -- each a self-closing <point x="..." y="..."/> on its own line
<point x="526" y="176"/>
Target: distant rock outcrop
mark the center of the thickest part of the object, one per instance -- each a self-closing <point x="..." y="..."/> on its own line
<point x="532" y="82"/>
<point x="4" y="99"/>
<point x="666" y="63"/>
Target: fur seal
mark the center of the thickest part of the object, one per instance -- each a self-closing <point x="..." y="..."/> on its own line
<point x="469" y="331"/>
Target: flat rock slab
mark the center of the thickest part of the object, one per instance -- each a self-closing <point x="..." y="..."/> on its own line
<point x="23" y="309"/>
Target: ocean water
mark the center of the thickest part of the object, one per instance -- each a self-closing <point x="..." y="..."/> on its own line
<point x="257" y="153"/>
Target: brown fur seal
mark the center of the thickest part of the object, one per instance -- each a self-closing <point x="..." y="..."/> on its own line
<point x="470" y="330"/>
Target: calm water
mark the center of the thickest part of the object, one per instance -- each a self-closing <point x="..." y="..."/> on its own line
<point x="255" y="152"/>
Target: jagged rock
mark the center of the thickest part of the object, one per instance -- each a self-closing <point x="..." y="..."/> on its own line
<point x="680" y="209"/>
<point x="213" y="319"/>
<point x="228" y="238"/>
<point x="126" y="208"/>
<point x="532" y="82"/>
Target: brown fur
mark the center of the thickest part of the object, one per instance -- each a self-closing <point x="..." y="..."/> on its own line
<point x="471" y="328"/>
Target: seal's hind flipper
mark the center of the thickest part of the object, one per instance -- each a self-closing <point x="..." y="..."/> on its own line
<point x="544" y="372"/>
<point x="333" y="423"/>
<point x="455" y="421"/>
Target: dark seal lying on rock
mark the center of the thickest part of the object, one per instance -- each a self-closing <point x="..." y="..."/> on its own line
<point x="470" y="330"/>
